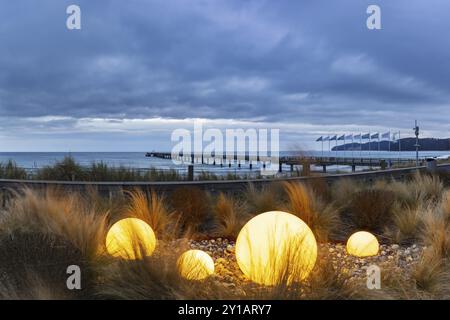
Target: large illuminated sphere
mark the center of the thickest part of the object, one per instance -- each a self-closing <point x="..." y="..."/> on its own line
<point x="130" y="238"/>
<point x="362" y="244"/>
<point x="195" y="265"/>
<point x="276" y="247"/>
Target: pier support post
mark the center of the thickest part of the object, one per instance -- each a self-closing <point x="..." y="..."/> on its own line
<point x="280" y="167"/>
<point x="324" y="168"/>
<point x="251" y="166"/>
<point x="353" y="168"/>
<point x="190" y="172"/>
<point x="306" y="169"/>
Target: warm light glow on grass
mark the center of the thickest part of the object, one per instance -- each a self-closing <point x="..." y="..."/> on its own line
<point x="362" y="244"/>
<point x="195" y="265"/>
<point x="131" y="239"/>
<point x="276" y="247"/>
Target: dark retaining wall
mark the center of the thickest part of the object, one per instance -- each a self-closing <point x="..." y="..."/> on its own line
<point x="109" y="189"/>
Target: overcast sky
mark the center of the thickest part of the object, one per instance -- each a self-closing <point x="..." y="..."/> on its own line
<point x="139" y="69"/>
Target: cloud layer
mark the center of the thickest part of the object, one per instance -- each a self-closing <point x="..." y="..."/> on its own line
<point x="307" y="67"/>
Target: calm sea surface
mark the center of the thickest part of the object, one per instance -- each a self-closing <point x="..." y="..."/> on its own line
<point x="138" y="159"/>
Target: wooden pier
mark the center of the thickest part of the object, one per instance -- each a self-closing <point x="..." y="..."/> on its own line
<point x="292" y="161"/>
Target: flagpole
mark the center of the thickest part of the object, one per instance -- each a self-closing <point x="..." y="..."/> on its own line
<point x="329" y="147"/>
<point x="336" y="149"/>
<point x="360" y="145"/>
<point x="345" y="153"/>
<point x="353" y="147"/>
<point x="378" y="143"/>
<point x="322" y="147"/>
<point x="389" y="141"/>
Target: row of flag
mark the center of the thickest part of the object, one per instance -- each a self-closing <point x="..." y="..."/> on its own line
<point x="388" y="136"/>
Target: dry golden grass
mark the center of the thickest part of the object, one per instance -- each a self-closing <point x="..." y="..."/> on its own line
<point x="407" y="223"/>
<point x="419" y="190"/>
<point x="436" y="236"/>
<point x="150" y="209"/>
<point x="191" y="207"/>
<point x="155" y="278"/>
<point x="302" y="202"/>
<point x="431" y="278"/>
<point x="427" y="187"/>
<point x="33" y="266"/>
<point x="405" y="193"/>
<point x="114" y="204"/>
<point x="54" y="212"/>
<point x="371" y="209"/>
<point x="262" y="199"/>
<point x="343" y="190"/>
<point x="50" y="227"/>
<point x="321" y="188"/>
<point x="445" y="206"/>
<point x="325" y="282"/>
<point x="230" y="216"/>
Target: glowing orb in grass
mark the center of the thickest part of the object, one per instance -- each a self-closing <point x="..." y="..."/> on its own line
<point x="131" y="239"/>
<point x="362" y="244"/>
<point x="276" y="247"/>
<point x="195" y="265"/>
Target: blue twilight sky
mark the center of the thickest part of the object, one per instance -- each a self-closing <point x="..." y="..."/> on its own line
<point x="139" y="69"/>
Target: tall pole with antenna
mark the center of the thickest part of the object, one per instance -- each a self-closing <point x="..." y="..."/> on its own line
<point x="416" y="132"/>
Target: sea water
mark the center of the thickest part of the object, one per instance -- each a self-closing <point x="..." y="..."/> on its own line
<point x="138" y="160"/>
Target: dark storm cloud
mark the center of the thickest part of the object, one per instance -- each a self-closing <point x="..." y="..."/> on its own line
<point x="313" y="62"/>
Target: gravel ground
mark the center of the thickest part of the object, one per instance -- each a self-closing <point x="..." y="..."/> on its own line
<point x="398" y="258"/>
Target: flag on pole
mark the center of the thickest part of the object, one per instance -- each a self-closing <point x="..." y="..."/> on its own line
<point x="358" y="136"/>
<point x="342" y="137"/>
<point x="386" y="135"/>
<point x="333" y="138"/>
<point x="394" y="136"/>
<point x="375" y="136"/>
<point x="365" y="136"/>
<point x="349" y="137"/>
<point x="319" y="139"/>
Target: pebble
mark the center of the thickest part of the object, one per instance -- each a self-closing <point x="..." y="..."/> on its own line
<point x="228" y="272"/>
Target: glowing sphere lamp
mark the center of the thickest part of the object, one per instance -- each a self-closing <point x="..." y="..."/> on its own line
<point x="195" y="265"/>
<point x="130" y="239"/>
<point x="276" y="247"/>
<point x="362" y="244"/>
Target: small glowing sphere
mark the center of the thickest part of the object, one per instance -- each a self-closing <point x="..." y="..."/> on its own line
<point x="362" y="244"/>
<point x="276" y="247"/>
<point x="131" y="239"/>
<point x="195" y="265"/>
